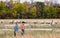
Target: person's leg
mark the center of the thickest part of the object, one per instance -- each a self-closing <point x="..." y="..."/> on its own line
<point x="14" y="33"/>
<point x="22" y="33"/>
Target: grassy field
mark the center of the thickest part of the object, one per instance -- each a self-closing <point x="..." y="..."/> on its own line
<point x="30" y="34"/>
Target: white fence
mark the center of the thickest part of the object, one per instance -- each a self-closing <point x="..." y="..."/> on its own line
<point x="30" y="20"/>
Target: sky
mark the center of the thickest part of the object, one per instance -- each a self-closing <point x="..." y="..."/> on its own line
<point x="34" y="1"/>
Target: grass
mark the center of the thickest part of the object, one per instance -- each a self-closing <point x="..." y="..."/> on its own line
<point x="32" y="33"/>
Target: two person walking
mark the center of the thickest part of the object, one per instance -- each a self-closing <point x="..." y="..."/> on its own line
<point x="16" y="27"/>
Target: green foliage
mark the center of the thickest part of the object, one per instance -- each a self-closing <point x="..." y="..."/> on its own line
<point x="33" y="11"/>
<point x="50" y="11"/>
<point x="26" y="7"/>
<point x="40" y="8"/>
<point x="27" y="11"/>
<point x="19" y="7"/>
<point x="1" y="8"/>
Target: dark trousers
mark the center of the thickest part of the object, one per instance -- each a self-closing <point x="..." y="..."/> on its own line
<point x="14" y="33"/>
<point x="22" y="33"/>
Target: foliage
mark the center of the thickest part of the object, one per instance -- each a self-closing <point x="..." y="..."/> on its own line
<point x="27" y="11"/>
<point x="50" y="11"/>
<point x="33" y="11"/>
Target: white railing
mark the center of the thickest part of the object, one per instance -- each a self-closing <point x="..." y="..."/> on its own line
<point x="31" y="29"/>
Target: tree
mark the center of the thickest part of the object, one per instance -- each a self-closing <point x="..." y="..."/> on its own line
<point x="50" y="11"/>
<point x="19" y="8"/>
<point x="26" y="10"/>
<point x="26" y="7"/>
<point x="58" y="12"/>
<point x="2" y="5"/>
<point x="33" y="12"/>
<point x="39" y="7"/>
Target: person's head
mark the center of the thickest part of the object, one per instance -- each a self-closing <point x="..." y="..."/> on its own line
<point x="16" y="23"/>
<point x="23" y="22"/>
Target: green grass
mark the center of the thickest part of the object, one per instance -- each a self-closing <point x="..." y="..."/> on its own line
<point x="2" y="36"/>
<point x="33" y="33"/>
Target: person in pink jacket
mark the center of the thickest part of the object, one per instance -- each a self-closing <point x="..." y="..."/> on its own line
<point x="22" y="27"/>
